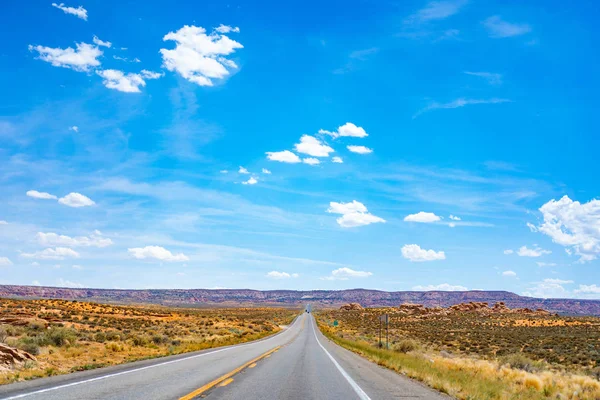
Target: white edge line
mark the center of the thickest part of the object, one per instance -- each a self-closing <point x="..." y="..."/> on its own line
<point x="361" y="393"/>
<point x="125" y="372"/>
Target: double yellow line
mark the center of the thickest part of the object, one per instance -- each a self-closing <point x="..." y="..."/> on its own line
<point x="228" y="375"/>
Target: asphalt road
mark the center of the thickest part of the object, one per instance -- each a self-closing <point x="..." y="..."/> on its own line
<point x="306" y="366"/>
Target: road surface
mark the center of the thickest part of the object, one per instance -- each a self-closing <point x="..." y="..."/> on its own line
<point x="298" y="363"/>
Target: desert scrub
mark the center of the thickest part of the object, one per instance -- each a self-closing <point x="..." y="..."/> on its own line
<point x="405" y="346"/>
<point x="472" y="378"/>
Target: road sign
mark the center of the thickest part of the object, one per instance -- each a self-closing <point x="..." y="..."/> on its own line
<point x="385" y="318"/>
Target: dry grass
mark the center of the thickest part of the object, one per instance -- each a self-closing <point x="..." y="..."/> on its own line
<point x="68" y="336"/>
<point x="467" y="373"/>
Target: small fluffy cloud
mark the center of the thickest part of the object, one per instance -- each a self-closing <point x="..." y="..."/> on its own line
<point x="498" y="28"/>
<point x="337" y="160"/>
<point x="150" y="74"/>
<point x="313" y="147"/>
<point x="524" y="251"/>
<point x="226" y="29"/>
<point x="79" y="12"/>
<point x="5" y="262"/>
<point x="198" y="57"/>
<point x="266" y="171"/>
<point x="311" y="161"/>
<point x="102" y="43"/>
<point x="574" y="225"/>
<point x="285" y="156"/>
<point x="41" y="195"/>
<point x="549" y="288"/>
<point x="243" y="170"/>
<point x="118" y="80"/>
<point x="74" y="128"/>
<point x="445" y="287"/>
<point x="359" y="149"/>
<point x="157" y="253"/>
<point x="545" y="264"/>
<point x="344" y="273"/>
<point x="509" y="251"/>
<point x="346" y="130"/>
<point x="57" y="253"/>
<point x="509" y="273"/>
<point x="353" y="214"/>
<point x="66" y="283"/>
<point x="76" y="200"/>
<point x="53" y="239"/>
<point x="281" y="275"/>
<point x="251" y="181"/>
<point x="415" y="253"/>
<point x="81" y="59"/>
<point x="454" y="217"/>
<point x="588" y="289"/>
<point x="425" y="217"/>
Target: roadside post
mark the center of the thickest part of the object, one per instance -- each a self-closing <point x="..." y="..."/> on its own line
<point x="385" y="318"/>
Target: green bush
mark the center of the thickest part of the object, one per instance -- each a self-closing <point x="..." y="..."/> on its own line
<point x="520" y="361"/>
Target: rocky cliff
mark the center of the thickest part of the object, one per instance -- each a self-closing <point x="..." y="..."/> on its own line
<point x="365" y="297"/>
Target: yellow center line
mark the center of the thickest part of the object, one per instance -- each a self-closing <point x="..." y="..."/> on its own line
<point x="226" y="382"/>
<point x="225" y="377"/>
<point x="252" y="365"/>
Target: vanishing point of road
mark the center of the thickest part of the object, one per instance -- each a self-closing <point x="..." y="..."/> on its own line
<point x="298" y="363"/>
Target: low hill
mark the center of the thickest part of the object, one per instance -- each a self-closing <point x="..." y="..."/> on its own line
<point x="365" y="297"/>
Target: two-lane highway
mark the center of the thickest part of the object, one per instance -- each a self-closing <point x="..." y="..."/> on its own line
<point x="298" y="363"/>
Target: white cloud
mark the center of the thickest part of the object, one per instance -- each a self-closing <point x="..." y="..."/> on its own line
<point x="344" y="273"/>
<point x="437" y="10"/>
<point x="337" y="160"/>
<point x="36" y="283"/>
<point x="74" y="128"/>
<point x="509" y="273"/>
<point x="545" y="264"/>
<point x="102" y="43"/>
<point x="118" y="80"/>
<point x="313" y="147"/>
<point x="454" y="217"/>
<point x="81" y="59"/>
<point x="360" y="149"/>
<point x="3" y="222"/>
<point x="150" y="74"/>
<point x="588" y="289"/>
<point x="60" y="282"/>
<point x="311" y="161"/>
<point x="266" y="171"/>
<point x="353" y="214"/>
<point x="281" y="275"/>
<point x="226" y="29"/>
<point x="76" y="200"/>
<point x="285" y="156"/>
<point x="524" y="251"/>
<point x="243" y="170"/>
<point x="224" y="171"/>
<point x="415" y="253"/>
<point x="425" y="217"/>
<point x="57" y="253"/>
<point x="452" y="225"/>
<point x="532" y="227"/>
<point x="347" y="130"/>
<point x="198" y="57"/>
<point x="53" y="239"/>
<point x="446" y="287"/>
<point x="498" y="28"/>
<point x="509" y="251"/>
<point x="573" y="225"/>
<point x="549" y="288"/>
<point x="458" y="103"/>
<point x="41" y="195"/>
<point x="491" y="77"/>
<point x="156" y="252"/>
<point x="251" y="181"/>
<point x="5" y="262"/>
<point x="79" y="12"/>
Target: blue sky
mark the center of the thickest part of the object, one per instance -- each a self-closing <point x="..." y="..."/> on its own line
<point x="395" y="146"/>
